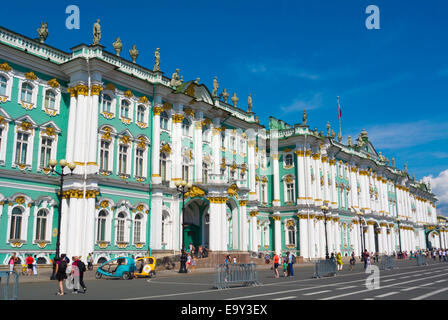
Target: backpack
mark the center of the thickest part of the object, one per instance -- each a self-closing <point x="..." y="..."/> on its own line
<point x="62" y="266"/>
<point x="81" y="266"/>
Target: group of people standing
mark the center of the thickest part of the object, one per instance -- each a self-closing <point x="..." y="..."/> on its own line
<point x="287" y="262"/>
<point x="29" y="268"/>
<point x="74" y="273"/>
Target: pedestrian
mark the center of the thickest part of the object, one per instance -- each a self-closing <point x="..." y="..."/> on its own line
<point x="29" y="262"/>
<point x="366" y="259"/>
<point x="12" y="263"/>
<point x="90" y="261"/>
<point x="339" y="261"/>
<point x="193" y="263"/>
<point x="276" y="261"/>
<point x="291" y="261"/>
<point x="82" y="269"/>
<point x="377" y="257"/>
<point x="35" y="265"/>
<point x="75" y="275"/>
<point x="285" y="267"/>
<point x="61" y="268"/>
<point x="444" y="255"/>
<point x="234" y="260"/>
<point x="188" y="261"/>
<point x="352" y="261"/>
<point x="200" y="252"/>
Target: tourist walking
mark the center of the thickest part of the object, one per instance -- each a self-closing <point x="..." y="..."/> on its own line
<point x="285" y="267"/>
<point x="366" y="259"/>
<point x="35" y="265"/>
<point x="90" y="261"/>
<point x="193" y="263"/>
<point x="339" y="261"/>
<point x="29" y="262"/>
<point x="75" y="275"/>
<point x="290" y="264"/>
<point x="61" y="268"/>
<point x="12" y="263"/>
<point x="276" y="261"/>
<point x="82" y="269"/>
<point x="352" y="262"/>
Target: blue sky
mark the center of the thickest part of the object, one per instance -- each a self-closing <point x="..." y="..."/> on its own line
<point x="292" y="55"/>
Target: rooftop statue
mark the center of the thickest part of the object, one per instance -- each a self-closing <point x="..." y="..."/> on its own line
<point x="249" y="103"/>
<point x="215" y="87"/>
<point x="134" y="53"/>
<point x="157" y="60"/>
<point x="225" y="95"/>
<point x="235" y="100"/>
<point x="43" y="32"/>
<point x="175" y="82"/>
<point x="304" y="118"/>
<point x="118" y="46"/>
<point x="96" y="32"/>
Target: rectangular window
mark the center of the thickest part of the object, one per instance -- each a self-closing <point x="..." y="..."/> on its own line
<point x="122" y="159"/>
<point x="289" y="192"/>
<point x="45" y="152"/>
<point x="139" y="163"/>
<point x="185" y="173"/>
<point x="137" y="228"/>
<point x="1" y="137"/>
<point x="104" y="155"/>
<point x="21" y="147"/>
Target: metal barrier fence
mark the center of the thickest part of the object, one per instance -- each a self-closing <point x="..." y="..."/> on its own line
<point x="9" y="293"/>
<point x="387" y="262"/>
<point x="235" y="274"/>
<point x="421" y="260"/>
<point x="323" y="268"/>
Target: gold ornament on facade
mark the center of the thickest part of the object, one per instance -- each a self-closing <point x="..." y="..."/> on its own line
<point x="142" y="143"/>
<point x="20" y="200"/>
<point x="107" y="134"/>
<point x="95" y="90"/>
<point x="158" y="111"/>
<point x="125" y="140"/>
<point x="189" y="112"/>
<point x="178" y="118"/>
<point x="143" y="100"/>
<point x="53" y="83"/>
<point x="110" y="87"/>
<point x="167" y="106"/>
<point x="26" y="126"/>
<point x="195" y="191"/>
<point x="253" y="213"/>
<point x="5" y="67"/>
<point x="232" y="191"/>
<point x="30" y="76"/>
<point x="50" y="131"/>
<point x="166" y="148"/>
<point x="128" y="94"/>
<point x="190" y="91"/>
<point x="82" y="90"/>
<point x="104" y="204"/>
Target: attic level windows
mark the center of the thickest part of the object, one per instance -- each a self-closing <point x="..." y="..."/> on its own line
<point x="164" y="120"/>
<point x="106" y="104"/>
<point x="288" y="160"/>
<point x="124" y="112"/>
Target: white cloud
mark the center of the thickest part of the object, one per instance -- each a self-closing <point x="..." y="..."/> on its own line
<point x="303" y="103"/>
<point x="439" y="186"/>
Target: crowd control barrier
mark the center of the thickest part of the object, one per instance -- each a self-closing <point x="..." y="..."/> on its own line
<point x="227" y="275"/>
<point x="324" y="268"/>
<point x="421" y="260"/>
<point x="9" y="283"/>
<point x="387" y="262"/>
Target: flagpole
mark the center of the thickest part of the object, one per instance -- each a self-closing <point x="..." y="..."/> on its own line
<point x="339" y="116"/>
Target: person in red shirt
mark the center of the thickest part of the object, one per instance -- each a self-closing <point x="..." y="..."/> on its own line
<point x="29" y="261"/>
<point x="276" y="261"/>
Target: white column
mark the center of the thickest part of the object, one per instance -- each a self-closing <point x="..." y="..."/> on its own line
<point x="215" y="224"/>
<point x="177" y="146"/>
<point x="334" y="192"/>
<point x="71" y="125"/>
<point x="312" y="233"/>
<point x="156" y="220"/>
<point x="64" y="225"/>
<point x="216" y="147"/>
<point x="301" y="177"/>
<point x="303" y="232"/>
<point x="277" y="234"/>
<point x="337" y="235"/>
<point x="93" y="113"/>
<point x="321" y="233"/>
<point x="197" y="150"/>
<point x="244" y="229"/>
<point x="276" y="180"/>
<point x="156" y="177"/>
<point x="317" y="185"/>
<point x="251" y="159"/>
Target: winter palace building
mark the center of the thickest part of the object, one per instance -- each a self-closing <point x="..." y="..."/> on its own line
<point x="133" y="133"/>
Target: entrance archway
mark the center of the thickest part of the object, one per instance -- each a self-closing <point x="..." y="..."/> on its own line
<point x="195" y="227"/>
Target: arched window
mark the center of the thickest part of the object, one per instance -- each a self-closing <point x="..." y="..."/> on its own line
<point x="26" y="93"/>
<point x="125" y="106"/>
<point x="204" y="173"/>
<point x="164" y="224"/>
<point x="186" y="127"/>
<point x="138" y="228"/>
<point x="121" y="224"/>
<point x="164" y="120"/>
<point x="41" y="224"/>
<point x="106" y="105"/>
<point x="141" y="113"/>
<point x="291" y="235"/>
<point x="50" y="99"/>
<point x="101" y="226"/>
<point x="16" y="224"/>
<point x="288" y="160"/>
<point x="3" y="85"/>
